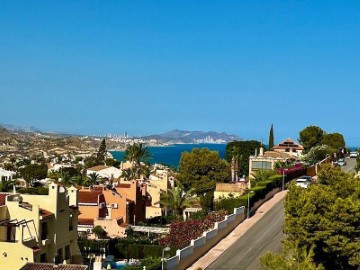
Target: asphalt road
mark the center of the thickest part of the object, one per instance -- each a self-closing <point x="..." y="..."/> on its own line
<point x="263" y="236"/>
<point x="350" y="165"/>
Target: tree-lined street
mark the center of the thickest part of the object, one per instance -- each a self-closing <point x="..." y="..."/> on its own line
<point x="263" y="236"/>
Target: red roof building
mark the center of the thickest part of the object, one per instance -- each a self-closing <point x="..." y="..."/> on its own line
<point x="290" y="147"/>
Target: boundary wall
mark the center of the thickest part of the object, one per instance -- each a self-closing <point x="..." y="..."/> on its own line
<point x="187" y="256"/>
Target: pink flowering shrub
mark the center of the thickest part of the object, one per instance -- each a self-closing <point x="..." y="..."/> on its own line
<point x="181" y="233"/>
<point x="293" y="172"/>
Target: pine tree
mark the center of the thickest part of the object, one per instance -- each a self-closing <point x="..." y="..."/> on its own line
<point x="271" y="137"/>
<point x="101" y="154"/>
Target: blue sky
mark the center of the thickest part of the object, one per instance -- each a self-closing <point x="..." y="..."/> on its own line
<point x="147" y="67"/>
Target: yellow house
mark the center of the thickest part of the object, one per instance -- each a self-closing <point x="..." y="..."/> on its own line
<point x="39" y="228"/>
<point x="227" y="190"/>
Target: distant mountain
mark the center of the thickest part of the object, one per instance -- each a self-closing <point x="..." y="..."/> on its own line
<point x="20" y="128"/>
<point x="185" y="136"/>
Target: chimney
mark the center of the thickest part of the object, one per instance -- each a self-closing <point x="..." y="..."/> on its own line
<point x="261" y="151"/>
<point x="256" y="152"/>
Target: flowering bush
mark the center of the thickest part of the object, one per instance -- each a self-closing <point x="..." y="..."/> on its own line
<point x="181" y="233"/>
<point x="295" y="167"/>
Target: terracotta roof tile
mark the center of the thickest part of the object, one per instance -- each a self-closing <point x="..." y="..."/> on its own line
<point x="45" y="213"/>
<point x="89" y="196"/>
<point x="98" y="168"/>
<point x="36" y="249"/>
<point x="51" y="266"/>
<point x="86" y="222"/>
<point x="124" y="185"/>
<point x="288" y="143"/>
<point x="275" y="154"/>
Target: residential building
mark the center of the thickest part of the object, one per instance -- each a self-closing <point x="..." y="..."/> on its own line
<point x="290" y="147"/>
<point x="159" y="181"/>
<point x="126" y="165"/>
<point x="39" y="228"/>
<point x="57" y="167"/>
<point x="267" y="160"/>
<point x="113" y="209"/>
<point x="6" y="175"/>
<point x="227" y="190"/>
<point x="103" y="171"/>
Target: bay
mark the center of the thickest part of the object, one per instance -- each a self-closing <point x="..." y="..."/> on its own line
<point x="170" y="155"/>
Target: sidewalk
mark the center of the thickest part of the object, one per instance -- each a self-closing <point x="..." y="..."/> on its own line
<point x="225" y="243"/>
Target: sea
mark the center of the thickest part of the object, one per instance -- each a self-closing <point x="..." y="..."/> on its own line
<point x="170" y="155"/>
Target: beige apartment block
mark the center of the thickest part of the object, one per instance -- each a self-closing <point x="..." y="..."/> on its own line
<point x="39" y="228"/>
<point x="267" y="160"/>
<point x="113" y="209"/>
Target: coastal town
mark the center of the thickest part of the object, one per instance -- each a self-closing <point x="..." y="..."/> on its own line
<point x="179" y="135"/>
<point x="82" y="207"/>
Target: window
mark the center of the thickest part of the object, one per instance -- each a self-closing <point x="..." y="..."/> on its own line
<point x="44" y="230"/>
<point x="265" y="165"/>
<point x="67" y="252"/>
<point x="43" y="258"/>
<point x="60" y="255"/>
<point x="70" y="223"/>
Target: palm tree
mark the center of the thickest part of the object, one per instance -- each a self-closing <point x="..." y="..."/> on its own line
<point x="93" y="178"/>
<point x="65" y="178"/>
<point x="128" y="174"/>
<point x="176" y="199"/>
<point x="261" y="175"/>
<point x="6" y="186"/>
<point x="80" y="180"/>
<point x="136" y="154"/>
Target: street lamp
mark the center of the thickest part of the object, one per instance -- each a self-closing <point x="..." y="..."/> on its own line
<point x="166" y="249"/>
<point x="248" y="208"/>
<point x="283" y="180"/>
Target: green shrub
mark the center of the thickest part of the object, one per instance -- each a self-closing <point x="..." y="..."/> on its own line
<point x="152" y="251"/>
<point x="136" y="251"/>
<point x="229" y="204"/>
<point x="277" y="180"/>
<point x="150" y="263"/>
<point x="259" y="193"/>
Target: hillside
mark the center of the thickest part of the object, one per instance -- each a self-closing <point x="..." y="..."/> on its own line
<point x="185" y="136"/>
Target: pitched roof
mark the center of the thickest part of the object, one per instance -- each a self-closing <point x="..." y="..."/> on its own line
<point x="89" y="196"/>
<point x="51" y="266"/>
<point x="98" y="168"/>
<point x="45" y="213"/>
<point x="121" y="185"/>
<point x="86" y="222"/>
<point x="288" y="143"/>
<point x="275" y="154"/>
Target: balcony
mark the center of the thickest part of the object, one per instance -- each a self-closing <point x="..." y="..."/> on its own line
<point x="30" y="242"/>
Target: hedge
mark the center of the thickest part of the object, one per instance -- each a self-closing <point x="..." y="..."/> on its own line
<point x="260" y="192"/>
<point x="123" y="249"/>
<point x="229" y="204"/>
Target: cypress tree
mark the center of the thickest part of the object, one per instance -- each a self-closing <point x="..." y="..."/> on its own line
<point x="101" y="154"/>
<point x="271" y="137"/>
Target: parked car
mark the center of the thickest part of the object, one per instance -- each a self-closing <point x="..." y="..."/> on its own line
<point x="341" y="162"/>
<point x="354" y="154"/>
<point x="303" y="181"/>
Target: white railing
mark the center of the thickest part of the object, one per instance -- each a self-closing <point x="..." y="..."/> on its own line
<point x="173" y="262"/>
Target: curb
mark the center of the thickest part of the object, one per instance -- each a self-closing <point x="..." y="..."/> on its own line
<point x="240" y="230"/>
